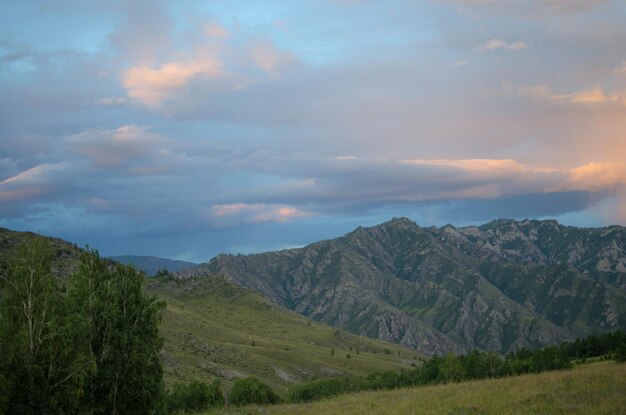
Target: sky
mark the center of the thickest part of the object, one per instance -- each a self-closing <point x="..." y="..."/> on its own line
<point x="188" y="128"/>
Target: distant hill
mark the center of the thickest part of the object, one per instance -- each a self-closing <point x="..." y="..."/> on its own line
<point x="66" y="254"/>
<point x="501" y="286"/>
<point x="150" y="265"/>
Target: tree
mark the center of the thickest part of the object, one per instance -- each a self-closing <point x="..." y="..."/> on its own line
<point x="122" y="330"/>
<point x="620" y="353"/>
<point x="251" y="390"/>
<point x="92" y="349"/>
<point x="194" y="397"/>
<point x="43" y="353"/>
<point x="491" y="365"/>
<point x="450" y="369"/>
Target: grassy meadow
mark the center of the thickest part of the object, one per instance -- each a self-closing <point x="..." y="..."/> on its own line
<point x="597" y="388"/>
<point x="215" y="329"/>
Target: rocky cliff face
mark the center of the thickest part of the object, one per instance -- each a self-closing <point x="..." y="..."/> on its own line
<point x="501" y="286"/>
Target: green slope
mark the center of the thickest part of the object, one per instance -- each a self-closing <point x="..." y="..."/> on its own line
<point x="214" y="328"/>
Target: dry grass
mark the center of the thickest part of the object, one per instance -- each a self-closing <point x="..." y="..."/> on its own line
<point x="598" y="388"/>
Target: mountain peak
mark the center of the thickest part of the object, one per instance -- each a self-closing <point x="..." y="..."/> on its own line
<point x="500" y="223"/>
<point x="401" y="221"/>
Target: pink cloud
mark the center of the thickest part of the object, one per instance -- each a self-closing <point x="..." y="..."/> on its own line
<point x="29" y="184"/>
<point x="598" y="175"/>
<point x="257" y="212"/>
<point x="151" y="86"/>
<point x="490" y="178"/>
<point x="476" y="165"/>
<point x="593" y="96"/>
<point x="38" y="174"/>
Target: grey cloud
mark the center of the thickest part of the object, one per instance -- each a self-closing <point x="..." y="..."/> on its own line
<point x="533" y="8"/>
<point x="145" y="31"/>
<point x="268" y="141"/>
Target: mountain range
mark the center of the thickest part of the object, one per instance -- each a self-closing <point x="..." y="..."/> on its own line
<point x="150" y="265"/>
<point x="500" y="286"/>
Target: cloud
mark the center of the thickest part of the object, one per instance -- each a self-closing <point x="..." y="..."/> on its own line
<point x="620" y="70"/>
<point x="569" y="6"/>
<point x="497" y="43"/>
<point x="200" y="121"/>
<point x="33" y="184"/>
<point x="592" y="176"/>
<point x="152" y="86"/>
<point x="144" y="32"/>
<point x="474" y="165"/>
<point x="34" y="175"/>
<point x="114" y="149"/>
<point x="534" y="8"/>
<point x="598" y="175"/>
<point x="214" y="62"/>
<point x="255" y="213"/>
<point x="593" y="96"/>
<point x="267" y="57"/>
<point x="214" y="29"/>
<point x="113" y="101"/>
<point x="365" y="184"/>
<point x="8" y="168"/>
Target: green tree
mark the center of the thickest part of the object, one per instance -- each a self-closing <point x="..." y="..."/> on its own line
<point x="620" y="353"/>
<point x="251" y="390"/>
<point x="43" y="352"/>
<point x="194" y="397"/>
<point x="491" y="365"/>
<point x="121" y="325"/>
<point x="450" y="369"/>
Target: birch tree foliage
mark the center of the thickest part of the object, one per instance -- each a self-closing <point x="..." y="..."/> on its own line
<point x="87" y="344"/>
<point x="122" y="327"/>
<point x="44" y="358"/>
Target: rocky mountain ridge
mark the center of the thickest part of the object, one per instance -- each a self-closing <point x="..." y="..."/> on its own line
<point x="501" y="286"/>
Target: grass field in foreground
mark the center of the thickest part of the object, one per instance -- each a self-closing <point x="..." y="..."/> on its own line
<point x="598" y="388"/>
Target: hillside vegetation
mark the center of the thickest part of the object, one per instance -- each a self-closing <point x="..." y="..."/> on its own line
<point x="217" y="330"/>
<point x="589" y="389"/>
<point x="214" y="328"/>
<point x="499" y="287"/>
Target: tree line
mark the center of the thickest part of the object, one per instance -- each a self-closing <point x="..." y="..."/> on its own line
<point x="473" y="365"/>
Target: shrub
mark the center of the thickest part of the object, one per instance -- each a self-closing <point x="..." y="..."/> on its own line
<point x="251" y="390"/>
<point x="324" y="388"/>
<point x="194" y="396"/>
